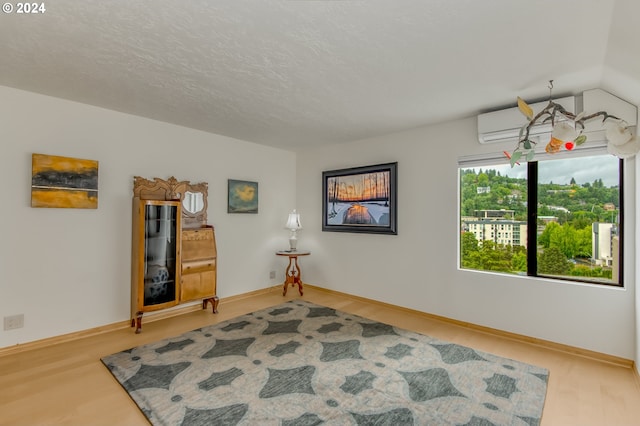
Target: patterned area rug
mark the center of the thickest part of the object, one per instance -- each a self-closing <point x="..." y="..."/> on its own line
<point x="303" y="364"/>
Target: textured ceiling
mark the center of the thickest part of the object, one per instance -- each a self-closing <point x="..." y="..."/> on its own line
<point x="295" y="74"/>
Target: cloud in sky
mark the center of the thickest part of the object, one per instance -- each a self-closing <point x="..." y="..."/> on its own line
<point x="582" y="169"/>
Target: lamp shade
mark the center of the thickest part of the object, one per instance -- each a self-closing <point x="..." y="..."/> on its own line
<point x="293" y="222"/>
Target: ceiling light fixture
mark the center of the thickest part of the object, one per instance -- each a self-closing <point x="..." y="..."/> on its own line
<point x="567" y="131"/>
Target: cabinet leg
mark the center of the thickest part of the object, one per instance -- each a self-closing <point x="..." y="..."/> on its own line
<point x="214" y="303"/>
<point x="137" y="322"/>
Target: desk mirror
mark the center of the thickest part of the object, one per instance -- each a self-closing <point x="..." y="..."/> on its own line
<point x="194" y="204"/>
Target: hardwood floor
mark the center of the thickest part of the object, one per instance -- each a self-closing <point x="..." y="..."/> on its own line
<point x="66" y="384"/>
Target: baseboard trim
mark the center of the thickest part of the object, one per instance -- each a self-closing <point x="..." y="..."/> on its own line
<point x="150" y="317"/>
<point x="598" y="356"/>
<point x="63" y="338"/>
<point x="586" y="353"/>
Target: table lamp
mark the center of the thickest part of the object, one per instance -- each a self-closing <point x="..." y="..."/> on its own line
<point x="293" y="224"/>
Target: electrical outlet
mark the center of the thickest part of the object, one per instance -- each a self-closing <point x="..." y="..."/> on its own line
<point x="272" y="274"/>
<point x="14" y="321"/>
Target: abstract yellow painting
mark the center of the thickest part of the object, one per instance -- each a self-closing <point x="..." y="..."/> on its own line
<point x="243" y="196"/>
<point x="63" y="182"/>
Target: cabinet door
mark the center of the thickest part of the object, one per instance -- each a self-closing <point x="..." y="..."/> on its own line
<point x="198" y="280"/>
<point x="157" y="261"/>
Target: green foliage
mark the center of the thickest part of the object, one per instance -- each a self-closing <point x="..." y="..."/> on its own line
<point x="490" y="256"/>
<point x="585" y="271"/>
<point x="553" y="261"/>
<point x="519" y="261"/>
<point x="584" y="242"/>
<point x="570" y="241"/>
<point x="505" y="192"/>
<point x="565" y="240"/>
<point x="498" y="258"/>
<point x="469" y="244"/>
<point x="582" y="220"/>
<point x="584" y="202"/>
<point x="544" y="239"/>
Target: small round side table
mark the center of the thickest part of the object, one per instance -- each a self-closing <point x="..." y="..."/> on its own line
<point x="293" y="274"/>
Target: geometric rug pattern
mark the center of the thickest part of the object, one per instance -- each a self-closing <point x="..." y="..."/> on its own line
<point x="304" y="364"/>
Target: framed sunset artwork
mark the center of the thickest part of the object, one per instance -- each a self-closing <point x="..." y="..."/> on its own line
<point x="361" y="199"/>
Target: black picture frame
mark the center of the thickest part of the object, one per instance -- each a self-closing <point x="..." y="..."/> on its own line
<point x="361" y="199"/>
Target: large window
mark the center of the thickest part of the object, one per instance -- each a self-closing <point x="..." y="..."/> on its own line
<point x="555" y="218"/>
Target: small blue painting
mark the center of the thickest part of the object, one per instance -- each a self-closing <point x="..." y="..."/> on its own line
<point x="243" y="196"/>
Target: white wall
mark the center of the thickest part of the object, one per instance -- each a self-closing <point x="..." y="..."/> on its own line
<point x="637" y="260"/>
<point x="418" y="268"/>
<point x="69" y="269"/>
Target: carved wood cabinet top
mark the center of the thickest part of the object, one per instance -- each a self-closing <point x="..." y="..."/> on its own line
<point x="192" y="196"/>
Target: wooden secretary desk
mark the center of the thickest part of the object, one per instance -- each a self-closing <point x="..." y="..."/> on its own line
<point x="173" y="250"/>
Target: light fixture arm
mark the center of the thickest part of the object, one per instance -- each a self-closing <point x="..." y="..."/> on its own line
<point x="552" y="110"/>
<point x="567" y="130"/>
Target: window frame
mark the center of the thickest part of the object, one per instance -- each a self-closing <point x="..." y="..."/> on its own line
<point x="532" y="218"/>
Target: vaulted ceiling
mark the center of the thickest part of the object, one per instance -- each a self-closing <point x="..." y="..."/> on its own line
<point x="296" y="74"/>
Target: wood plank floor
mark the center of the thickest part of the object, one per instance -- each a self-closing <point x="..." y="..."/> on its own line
<point x="66" y="384"/>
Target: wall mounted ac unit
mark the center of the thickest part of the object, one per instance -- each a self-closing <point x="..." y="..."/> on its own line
<point x="504" y="126"/>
